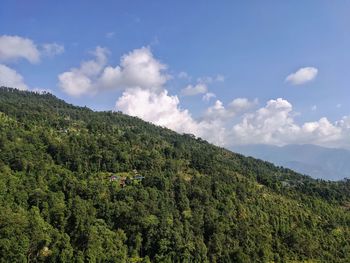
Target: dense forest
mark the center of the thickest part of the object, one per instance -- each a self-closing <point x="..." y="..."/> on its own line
<point x="84" y="186"/>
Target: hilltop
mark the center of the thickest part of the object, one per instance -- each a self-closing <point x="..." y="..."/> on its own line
<point x="192" y="202"/>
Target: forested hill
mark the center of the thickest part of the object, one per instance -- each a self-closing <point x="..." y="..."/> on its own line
<point x="84" y="186"/>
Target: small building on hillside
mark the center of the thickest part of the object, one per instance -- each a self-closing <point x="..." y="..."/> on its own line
<point x="126" y="178"/>
<point x="122" y="181"/>
<point x="113" y="178"/>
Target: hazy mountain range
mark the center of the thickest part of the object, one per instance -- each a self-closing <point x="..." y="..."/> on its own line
<point x="316" y="161"/>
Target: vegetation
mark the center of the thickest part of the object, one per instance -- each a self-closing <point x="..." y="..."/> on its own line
<point x="196" y="202"/>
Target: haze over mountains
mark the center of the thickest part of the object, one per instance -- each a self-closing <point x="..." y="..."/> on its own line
<point x="316" y="161"/>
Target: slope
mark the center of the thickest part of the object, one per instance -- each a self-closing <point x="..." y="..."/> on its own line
<point x="61" y="200"/>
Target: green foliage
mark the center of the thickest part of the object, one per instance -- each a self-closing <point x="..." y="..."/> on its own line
<point x="197" y="202"/>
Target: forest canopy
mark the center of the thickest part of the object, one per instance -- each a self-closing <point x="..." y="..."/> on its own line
<point x="84" y="186"/>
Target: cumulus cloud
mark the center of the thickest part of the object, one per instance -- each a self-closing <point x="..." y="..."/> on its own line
<point x="234" y="108"/>
<point x="190" y="90"/>
<point x="302" y="75"/>
<point x="163" y="109"/>
<point x="15" y="47"/>
<point x="275" y="124"/>
<point x="271" y="124"/>
<point x="322" y="131"/>
<point x="10" y="78"/>
<point x="159" y="108"/>
<point x="242" y="104"/>
<point x="83" y="80"/>
<point x="52" y="49"/>
<point x="137" y="69"/>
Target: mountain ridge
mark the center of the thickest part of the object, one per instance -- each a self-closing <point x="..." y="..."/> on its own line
<point x="196" y="203"/>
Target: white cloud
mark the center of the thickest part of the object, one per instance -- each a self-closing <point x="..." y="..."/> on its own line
<point x="164" y="110"/>
<point x="10" y="78"/>
<point x="271" y="124"/>
<point x="52" y="49"/>
<point x="217" y="111"/>
<point x="236" y="107"/>
<point x="143" y="81"/>
<point x="194" y="90"/>
<point x="75" y="84"/>
<point x="83" y="80"/>
<point x="321" y="132"/>
<point x="158" y="108"/>
<point x="314" y="108"/>
<point x="137" y="69"/>
<point x="234" y="123"/>
<point x="242" y="104"/>
<point x="14" y="47"/>
<point x="225" y="126"/>
<point x="302" y="75"/>
<point x="275" y="124"/>
<point x="207" y="96"/>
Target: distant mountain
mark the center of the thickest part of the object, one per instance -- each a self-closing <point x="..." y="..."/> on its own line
<point x="316" y="161"/>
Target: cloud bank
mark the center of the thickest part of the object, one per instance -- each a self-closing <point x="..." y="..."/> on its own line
<point x="142" y="79"/>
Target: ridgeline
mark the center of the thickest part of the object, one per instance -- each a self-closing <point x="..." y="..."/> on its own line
<point x="84" y="186"/>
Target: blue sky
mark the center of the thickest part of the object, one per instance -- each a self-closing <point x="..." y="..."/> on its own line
<point x="251" y="45"/>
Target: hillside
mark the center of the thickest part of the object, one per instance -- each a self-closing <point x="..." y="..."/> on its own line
<point x="316" y="161"/>
<point x="84" y="186"/>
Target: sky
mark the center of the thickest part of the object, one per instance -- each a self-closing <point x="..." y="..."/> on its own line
<point x="231" y="72"/>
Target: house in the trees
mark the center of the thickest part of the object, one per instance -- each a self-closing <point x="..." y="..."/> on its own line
<point x="122" y="181"/>
<point x="113" y="178"/>
<point x="126" y="178"/>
